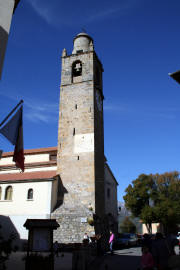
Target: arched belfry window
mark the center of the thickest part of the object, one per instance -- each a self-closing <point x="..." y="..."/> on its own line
<point x="30" y="194"/>
<point x="0" y="192"/>
<point x="8" y="193"/>
<point x="76" y="70"/>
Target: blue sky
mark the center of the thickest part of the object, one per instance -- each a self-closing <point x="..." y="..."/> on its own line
<point x="138" y="43"/>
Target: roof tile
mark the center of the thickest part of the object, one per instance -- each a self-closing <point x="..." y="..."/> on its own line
<point x="27" y="176"/>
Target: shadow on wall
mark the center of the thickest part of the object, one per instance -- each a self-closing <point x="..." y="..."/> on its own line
<point x="60" y="194"/>
<point x="7" y="229"/>
<point x="3" y="44"/>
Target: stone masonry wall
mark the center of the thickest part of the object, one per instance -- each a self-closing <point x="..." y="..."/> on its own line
<point x="75" y="158"/>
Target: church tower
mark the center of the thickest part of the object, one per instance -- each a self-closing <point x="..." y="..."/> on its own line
<point x="80" y="158"/>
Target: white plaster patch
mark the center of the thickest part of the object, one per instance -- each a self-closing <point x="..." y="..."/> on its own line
<point x="84" y="143"/>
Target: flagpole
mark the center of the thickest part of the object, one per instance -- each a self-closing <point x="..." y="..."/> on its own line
<point x="11" y="112"/>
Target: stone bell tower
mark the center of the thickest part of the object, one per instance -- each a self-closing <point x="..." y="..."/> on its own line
<point x="80" y="158"/>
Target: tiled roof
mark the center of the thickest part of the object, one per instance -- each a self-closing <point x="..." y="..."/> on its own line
<point x="33" y="151"/>
<point x="27" y="176"/>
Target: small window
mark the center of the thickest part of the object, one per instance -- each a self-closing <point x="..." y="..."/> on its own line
<point x="53" y="157"/>
<point x="8" y="193"/>
<point x="74" y="131"/>
<point x="0" y="192"/>
<point x="30" y="194"/>
<point x="108" y="193"/>
<point x="79" y="51"/>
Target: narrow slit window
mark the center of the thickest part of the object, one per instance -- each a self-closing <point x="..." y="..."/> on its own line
<point x="74" y="131"/>
<point x="76" y="106"/>
<point x="108" y="193"/>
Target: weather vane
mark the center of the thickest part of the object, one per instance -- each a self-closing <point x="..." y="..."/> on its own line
<point x="83" y="30"/>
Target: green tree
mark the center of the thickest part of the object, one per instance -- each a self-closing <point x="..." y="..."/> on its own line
<point x="155" y="198"/>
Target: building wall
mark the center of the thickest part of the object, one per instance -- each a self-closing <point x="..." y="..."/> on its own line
<point x="6" y="11"/>
<point x="154" y="228"/>
<point x="54" y="194"/>
<point x="20" y="208"/>
<point x="111" y="195"/>
<point x="29" y="159"/>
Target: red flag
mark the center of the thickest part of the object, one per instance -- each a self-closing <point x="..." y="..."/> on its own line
<point x="13" y="131"/>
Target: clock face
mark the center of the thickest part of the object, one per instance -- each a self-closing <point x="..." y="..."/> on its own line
<point x="99" y="100"/>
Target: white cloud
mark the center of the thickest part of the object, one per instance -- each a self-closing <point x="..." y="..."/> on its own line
<point x="43" y="112"/>
<point x="142" y="110"/>
<point x="61" y="12"/>
<point x="116" y="108"/>
<point x="36" y="110"/>
<point x="42" y="10"/>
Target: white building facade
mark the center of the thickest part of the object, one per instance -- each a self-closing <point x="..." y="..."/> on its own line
<point x="32" y="194"/>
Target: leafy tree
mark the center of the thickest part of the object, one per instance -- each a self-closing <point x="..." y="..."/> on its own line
<point x="155" y="198"/>
<point x="128" y="226"/>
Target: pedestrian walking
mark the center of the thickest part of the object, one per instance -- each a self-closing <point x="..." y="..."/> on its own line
<point x="111" y="240"/>
<point x="99" y="244"/>
<point x="160" y="252"/>
<point x="86" y="237"/>
<point x="147" y="261"/>
<point x="56" y="248"/>
<point x="147" y="241"/>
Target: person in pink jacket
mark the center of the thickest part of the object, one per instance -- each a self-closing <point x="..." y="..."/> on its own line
<point x="147" y="261"/>
<point x="111" y="240"/>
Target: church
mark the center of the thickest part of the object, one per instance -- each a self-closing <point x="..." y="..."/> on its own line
<point x="72" y="181"/>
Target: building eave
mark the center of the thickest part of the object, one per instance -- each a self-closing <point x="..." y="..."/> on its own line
<point x="34" y="151"/>
<point x="111" y="174"/>
<point x="175" y="76"/>
<point x="15" y="5"/>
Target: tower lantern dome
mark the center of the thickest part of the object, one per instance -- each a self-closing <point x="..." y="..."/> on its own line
<point x="82" y="43"/>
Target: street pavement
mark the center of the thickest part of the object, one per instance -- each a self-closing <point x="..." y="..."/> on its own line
<point x="17" y="262"/>
<point x="125" y="259"/>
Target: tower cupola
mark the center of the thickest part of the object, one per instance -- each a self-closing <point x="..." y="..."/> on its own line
<point x="82" y="43"/>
